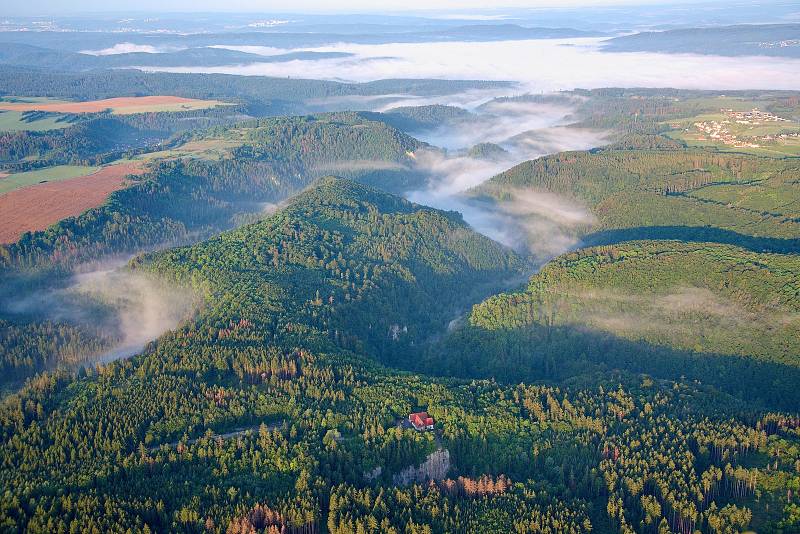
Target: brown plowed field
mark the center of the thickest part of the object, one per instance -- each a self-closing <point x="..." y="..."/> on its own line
<point x="38" y="206"/>
<point x="120" y="105"/>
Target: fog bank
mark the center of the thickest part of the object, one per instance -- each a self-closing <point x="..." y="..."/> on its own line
<point x="541" y="224"/>
<point x="128" y="309"/>
<point x="538" y="64"/>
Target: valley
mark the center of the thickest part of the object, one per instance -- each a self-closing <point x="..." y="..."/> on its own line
<point x="227" y="299"/>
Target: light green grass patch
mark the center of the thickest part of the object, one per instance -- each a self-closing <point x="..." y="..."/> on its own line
<point x="212" y="148"/>
<point x="14" y="121"/>
<point x="33" y="99"/>
<point x="781" y="149"/>
<point x="49" y="174"/>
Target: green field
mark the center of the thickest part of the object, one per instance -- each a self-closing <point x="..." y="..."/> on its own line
<point x="33" y="99"/>
<point x="14" y="121"/>
<point x="208" y="149"/>
<point x="790" y="148"/>
<point x="49" y="174"/>
<point x="164" y="108"/>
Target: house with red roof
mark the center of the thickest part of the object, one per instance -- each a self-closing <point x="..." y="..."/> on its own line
<point x="421" y="421"/>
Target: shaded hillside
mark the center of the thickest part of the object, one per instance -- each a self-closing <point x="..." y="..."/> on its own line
<point x="717" y="314"/>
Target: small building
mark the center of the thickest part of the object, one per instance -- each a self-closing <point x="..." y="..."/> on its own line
<point x="421" y="421"/>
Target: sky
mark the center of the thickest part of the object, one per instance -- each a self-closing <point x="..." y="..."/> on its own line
<point x="33" y="7"/>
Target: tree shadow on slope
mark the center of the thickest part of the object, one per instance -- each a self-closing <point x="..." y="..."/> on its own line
<point x="559" y="353"/>
<point x="700" y="234"/>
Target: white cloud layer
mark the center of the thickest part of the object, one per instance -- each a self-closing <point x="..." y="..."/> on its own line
<point x="540" y="65"/>
<point x="542" y="224"/>
<point x="127" y="48"/>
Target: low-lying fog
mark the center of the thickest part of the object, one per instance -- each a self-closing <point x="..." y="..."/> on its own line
<point x="494" y="122"/>
<point x="540" y="65"/>
<point x="126" y="309"/>
<point x="496" y="135"/>
<point x="129" y="309"/>
<point x="540" y="224"/>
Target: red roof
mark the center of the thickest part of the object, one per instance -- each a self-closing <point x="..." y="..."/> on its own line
<point x="420" y="419"/>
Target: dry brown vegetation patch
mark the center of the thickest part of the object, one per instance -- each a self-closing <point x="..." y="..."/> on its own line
<point x="38" y="206"/>
<point x="120" y="104"/>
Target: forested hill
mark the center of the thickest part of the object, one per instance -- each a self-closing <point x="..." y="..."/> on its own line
<point x="429" y="117"/>
<point x="348" y="144"/>
<point x="368" y="270"/>
<point x="657" y="188"/>
<point x="274" y="93"/>
<point x="713" y="313"/>
<point x="690" y="266"/>
<point x="740" y="40"/>
<point x="230" y="176"/>
<point x="28" y="56"/>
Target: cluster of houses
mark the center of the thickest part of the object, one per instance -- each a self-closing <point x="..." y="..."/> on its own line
<point x="719" y="130"/>
<point x="754" y="116"/>
<point x="785" y="43"/>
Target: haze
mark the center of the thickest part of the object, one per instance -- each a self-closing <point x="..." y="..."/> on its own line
<point x="44" y="7"/>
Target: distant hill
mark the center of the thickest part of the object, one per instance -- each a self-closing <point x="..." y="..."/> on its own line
<point x="651" y="187"/>
<point x="478" y="32"/>
<point x="503" y="32"/>
<point x="23" y="55"/>
<point x="415" y="118"/>
<point x="781" y="40"/>
<point x="277" y="95"/>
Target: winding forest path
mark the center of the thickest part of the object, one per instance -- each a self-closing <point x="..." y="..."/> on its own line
<point x="227" y="435"/>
